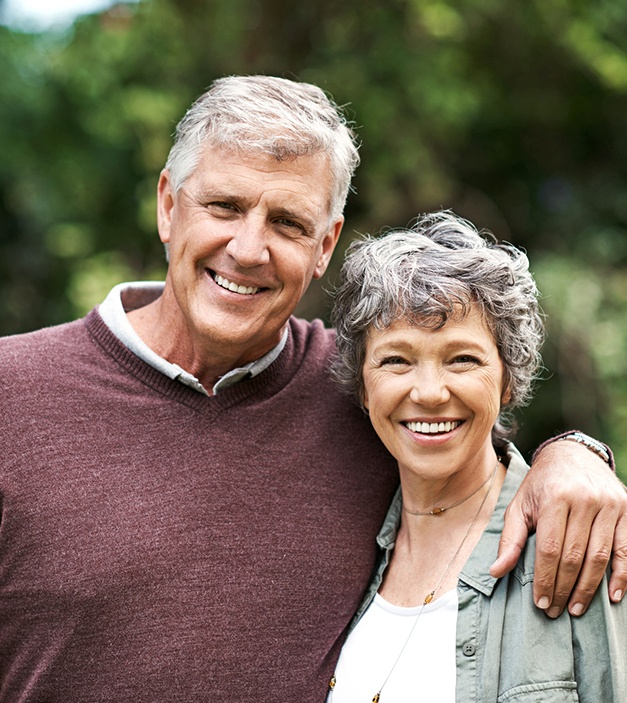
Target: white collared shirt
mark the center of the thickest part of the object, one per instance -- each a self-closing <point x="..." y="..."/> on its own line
<point x="113" y="313"/>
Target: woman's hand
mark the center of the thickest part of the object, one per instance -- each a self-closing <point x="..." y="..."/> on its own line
<point x="578" y="508"/>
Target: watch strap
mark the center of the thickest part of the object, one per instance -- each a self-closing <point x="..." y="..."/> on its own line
<point x="599" y="448"/>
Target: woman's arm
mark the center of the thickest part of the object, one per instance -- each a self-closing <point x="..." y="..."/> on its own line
<point x="578" y="508"/>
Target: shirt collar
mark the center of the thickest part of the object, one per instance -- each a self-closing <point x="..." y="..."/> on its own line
<point x="475" y="572"/>
<point x="129" y="296"/>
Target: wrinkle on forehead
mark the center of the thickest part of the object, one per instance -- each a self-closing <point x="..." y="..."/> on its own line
<point x="251" y="178"/>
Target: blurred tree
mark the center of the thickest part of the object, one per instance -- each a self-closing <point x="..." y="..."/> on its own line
<point x="510" y="113"/>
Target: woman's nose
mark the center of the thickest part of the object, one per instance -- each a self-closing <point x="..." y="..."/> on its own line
<point x="428" y="387"/>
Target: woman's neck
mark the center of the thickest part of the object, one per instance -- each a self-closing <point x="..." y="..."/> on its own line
<point x="432" y="549"/>
<point x="423" y="493"/>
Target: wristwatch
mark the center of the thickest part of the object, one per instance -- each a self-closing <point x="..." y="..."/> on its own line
<point x="593" y="445"/>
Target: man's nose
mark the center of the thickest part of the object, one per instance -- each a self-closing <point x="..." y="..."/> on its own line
<point x="248" y="245"/>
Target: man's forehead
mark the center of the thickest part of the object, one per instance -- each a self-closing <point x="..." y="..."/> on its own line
<point x="306" y="179"/>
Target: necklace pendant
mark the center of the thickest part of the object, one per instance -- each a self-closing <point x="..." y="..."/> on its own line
<point x="429" y="598"/>
<point x="437" y="511"/>
<point x="376" y="698"/>
<point x="332" y="683"/>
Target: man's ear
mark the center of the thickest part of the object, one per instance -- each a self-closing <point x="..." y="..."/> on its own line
<point x="165" y="204"/>
<point x="329" y="241"/>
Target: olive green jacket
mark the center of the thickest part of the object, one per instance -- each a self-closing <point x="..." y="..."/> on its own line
<point x="507" y="649"/>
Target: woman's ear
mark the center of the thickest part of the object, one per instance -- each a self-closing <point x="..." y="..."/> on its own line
<point x="364" y="400"/>
<point x="506" y="396"/>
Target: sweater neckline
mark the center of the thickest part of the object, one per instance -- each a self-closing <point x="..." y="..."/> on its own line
<point x="265" y="384"/>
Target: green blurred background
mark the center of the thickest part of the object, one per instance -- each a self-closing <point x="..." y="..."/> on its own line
<point x="513" y="114"/>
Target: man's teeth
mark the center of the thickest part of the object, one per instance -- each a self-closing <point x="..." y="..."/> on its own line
<point x="432" y="427"/>
<point x="229" y="285"/>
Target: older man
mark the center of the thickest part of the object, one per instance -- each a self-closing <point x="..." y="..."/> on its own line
<point x="188" y="504"/>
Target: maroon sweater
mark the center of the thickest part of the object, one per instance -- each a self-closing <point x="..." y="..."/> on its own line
<point x="160" y="545"/>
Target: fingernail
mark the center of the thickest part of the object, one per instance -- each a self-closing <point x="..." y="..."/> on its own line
<point x="544" y="603"/>
<point x="618" y="595"/>
<point x="577" y="609"/>
<point x="553" y="612"/>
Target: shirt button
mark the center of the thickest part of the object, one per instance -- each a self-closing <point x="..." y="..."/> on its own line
<point x="469" y="649"/>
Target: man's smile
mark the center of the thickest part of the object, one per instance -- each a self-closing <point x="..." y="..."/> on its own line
<point x="233" y="287"/>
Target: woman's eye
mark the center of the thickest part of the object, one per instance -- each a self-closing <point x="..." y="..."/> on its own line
<point x="393" y="361"/>
<point x="465" y="359"/>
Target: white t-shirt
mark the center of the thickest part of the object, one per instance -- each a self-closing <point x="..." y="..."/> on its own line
<point x="426" y="668"/>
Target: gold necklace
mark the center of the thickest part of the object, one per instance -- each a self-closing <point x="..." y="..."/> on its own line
<point x="440" y="510"/>
<point x="431" y="595"/>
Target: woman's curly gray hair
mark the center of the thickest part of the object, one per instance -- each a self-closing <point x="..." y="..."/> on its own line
<point x="432" y="272"/>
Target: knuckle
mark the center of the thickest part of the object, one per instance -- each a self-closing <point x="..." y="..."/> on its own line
<point x="590" y="501"/>
<point x="599" y="557"/>
<point x="572" y="556"/>
<point x="549" y="548"/>
<point x="619" y="562"/>
<point x="585" y="591"/>
<point x="543" y="582"/>
<point x="505" y="540"/>
<point x="615" y="505"/>
<point x="620" y="576"/>
<point x="560" y="597"/>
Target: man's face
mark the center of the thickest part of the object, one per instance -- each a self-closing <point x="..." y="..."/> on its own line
<point x="246" y="234"/>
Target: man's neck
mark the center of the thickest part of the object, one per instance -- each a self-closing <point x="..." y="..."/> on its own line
<point x="207" y="362"/>
<point x="150" y="325"/>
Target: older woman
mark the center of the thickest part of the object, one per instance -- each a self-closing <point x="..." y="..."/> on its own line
<point x="439" y="334"/>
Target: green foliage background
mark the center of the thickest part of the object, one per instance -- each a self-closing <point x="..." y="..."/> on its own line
<point x="511" y="113"/>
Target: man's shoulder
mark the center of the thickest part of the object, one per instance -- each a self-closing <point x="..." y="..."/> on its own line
<point x="313" y="335"/>
<point x="42" y="336"/>
<point x="311" y="348"/>
<point x="48" y="343"/>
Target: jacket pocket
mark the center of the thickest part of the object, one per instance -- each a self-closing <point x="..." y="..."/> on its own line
<point x="548" y="692"/>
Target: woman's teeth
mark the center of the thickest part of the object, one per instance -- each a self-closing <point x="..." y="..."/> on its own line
<point x="432" y="427"/>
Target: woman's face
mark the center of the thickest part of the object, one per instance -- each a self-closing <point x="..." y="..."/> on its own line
<point x="434" y="395"/>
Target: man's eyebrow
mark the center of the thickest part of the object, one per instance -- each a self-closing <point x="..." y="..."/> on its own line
<point x="308" y="221"/>
<point x="217" y="195"/>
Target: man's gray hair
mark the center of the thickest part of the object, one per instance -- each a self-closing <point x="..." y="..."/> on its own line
<point x="272" y="116"/>
<point x="432" y="272"/>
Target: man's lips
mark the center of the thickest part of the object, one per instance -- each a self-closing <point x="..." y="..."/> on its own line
<point x="232" y="286"/>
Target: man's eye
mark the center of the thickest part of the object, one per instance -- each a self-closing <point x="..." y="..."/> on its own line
<point x="286" y="223"/>
<point x="221" y="207"/>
